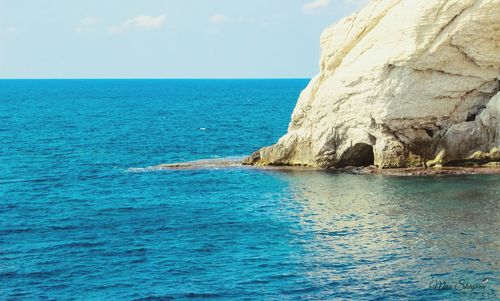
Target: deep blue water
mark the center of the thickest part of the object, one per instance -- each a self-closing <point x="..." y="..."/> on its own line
<point x="75" y="224"/>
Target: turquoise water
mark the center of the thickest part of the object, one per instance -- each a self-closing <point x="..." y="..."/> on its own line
<point x="76" y="224"/>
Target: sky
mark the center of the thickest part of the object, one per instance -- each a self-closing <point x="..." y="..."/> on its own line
<point x="165" y="38"/>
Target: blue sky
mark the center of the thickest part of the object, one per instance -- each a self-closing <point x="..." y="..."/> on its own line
<point x="164" y="38"/>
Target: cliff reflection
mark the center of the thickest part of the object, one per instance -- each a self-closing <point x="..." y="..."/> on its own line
<point x="376" y="230"/>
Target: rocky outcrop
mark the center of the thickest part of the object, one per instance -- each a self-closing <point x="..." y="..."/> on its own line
<point x="401" y="82"/>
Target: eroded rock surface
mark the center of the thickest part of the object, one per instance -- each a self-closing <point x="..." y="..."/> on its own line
<point x="401" y="82"/>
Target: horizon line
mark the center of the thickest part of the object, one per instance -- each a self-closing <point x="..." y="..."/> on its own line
<point x="149" y="78"/>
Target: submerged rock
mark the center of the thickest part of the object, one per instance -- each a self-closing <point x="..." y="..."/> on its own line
<point x="402" y="82"/>
<point x="196" y="165"/>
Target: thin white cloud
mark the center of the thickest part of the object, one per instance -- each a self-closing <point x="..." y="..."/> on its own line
<point x="315" y="5"/>
<point x="88" y="24"/>
<point x="9" y="31"/>
<point x="146" y="21"/>
<point x="139" y="22"/>
<point x="218" y="19"/>
<point x="248" y="20"/>
<point x="212" y="31"/>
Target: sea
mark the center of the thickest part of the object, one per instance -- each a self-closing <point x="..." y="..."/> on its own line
<point x="82" y="218"/>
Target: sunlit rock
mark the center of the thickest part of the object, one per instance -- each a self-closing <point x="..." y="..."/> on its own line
<point x="401" y="82"/>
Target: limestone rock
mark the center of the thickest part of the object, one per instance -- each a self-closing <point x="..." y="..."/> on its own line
<point x="400" y="82"/>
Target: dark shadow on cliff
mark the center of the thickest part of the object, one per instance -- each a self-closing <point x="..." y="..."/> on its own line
<point x="361" y="154"/>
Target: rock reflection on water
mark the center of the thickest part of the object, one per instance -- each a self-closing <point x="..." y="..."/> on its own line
<point x="397" y="234"/>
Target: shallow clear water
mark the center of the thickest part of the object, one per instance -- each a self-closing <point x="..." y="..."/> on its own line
<point x="75" y="224"/>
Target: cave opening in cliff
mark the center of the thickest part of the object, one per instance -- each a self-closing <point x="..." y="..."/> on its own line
<point x="360" y="154"/>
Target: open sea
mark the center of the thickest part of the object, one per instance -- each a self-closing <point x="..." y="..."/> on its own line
<point x="77" y="223"/>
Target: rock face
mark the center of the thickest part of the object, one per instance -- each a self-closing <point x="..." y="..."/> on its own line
<point x="402" y="82"/>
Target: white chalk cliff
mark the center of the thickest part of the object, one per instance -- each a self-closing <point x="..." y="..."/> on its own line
<point x="402" y="82"/>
